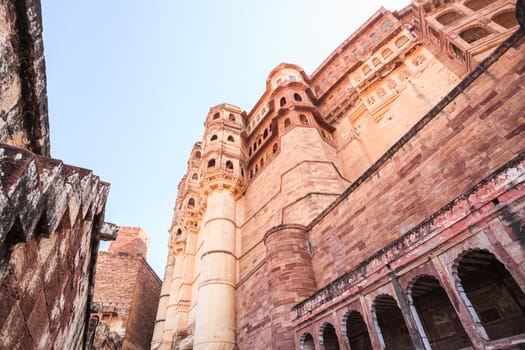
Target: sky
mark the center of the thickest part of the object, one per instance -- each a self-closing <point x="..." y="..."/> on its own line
<point x="130" y="83"/>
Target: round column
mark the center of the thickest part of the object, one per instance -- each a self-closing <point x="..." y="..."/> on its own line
<point x="215" y="320"/>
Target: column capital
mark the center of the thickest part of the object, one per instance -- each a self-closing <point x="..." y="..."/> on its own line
<point x="216" y="179"/>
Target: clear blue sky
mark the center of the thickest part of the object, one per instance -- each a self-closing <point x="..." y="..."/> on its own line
<point x="131" y="81"/>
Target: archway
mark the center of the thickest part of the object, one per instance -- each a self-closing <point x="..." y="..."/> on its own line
<point x="392" y="329"/>
<point x="499" y="303"/>
<point x="307" y="342"/>
<point x="329" y="337"/>
<point x="437" y="315"/>
<point x="356" y="331"/>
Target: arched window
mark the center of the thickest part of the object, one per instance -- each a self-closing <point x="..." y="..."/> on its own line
<point x="297" y="97"/>
<point x="191" y="203"/>
<point x="401" y="41"/>
<point x="231" y="139"/>
<point x="473" y="34"/>
<point x="286" y="123"/>
<point x="265" y="133"/>
<point x="303" y="119"/>
<point x="375" y="61"/>
<point x="475" y="5"/>
<point x="506" y="19"/>
<point x="255" y="146"/>
<point x="211" y="163"/>
<point x="229" y="165"/>
<point x="231" y="117"/>
<point x="386" y="53"/>
<point x="449" y="17"/>
<point x="194" y="176"/>
<point x="197" y="155"/>
<point x="262" y="162"/>
<point x="274" y="149"/>
<point x="216" y="116"/>
<point x="366" y="69"/>
<point x="179" y="232"/>
<point x="242" y="172"/>
<point x="250" y="152"/>
<point x="213" y="138"/>
<point x="259" y="142"/>
<point x="282" y="102"/>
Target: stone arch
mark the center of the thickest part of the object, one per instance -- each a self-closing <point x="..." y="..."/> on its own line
<point x="216" y="116"/>
<point x="197" y="155"/>
<point x="473" y="34"/>
<point x="211" y="163"/>
<point x="328" y="337"/>
<point x="307" y="342"/>
<point x="265" y="133"/>
<point x="476" y="5"/>
<point x="386" y="53"/>
<point x="194" y="176"/>
<point x="286" y="122"/>
<point x="191" y="203"/>
<point x="449" y="17"/>
<point x="506" y="18"/>
<point x="229" y="165"/>
<point x="230" y="139"/>
<point x="494" y="299"/>
<point x="366" y="69"/>
<point x="434" y="314"/>
<point x="297" y="97"/>
<point x="385" y="313"/>
<point x="231" y="117"/>
<point x="282" y="101"/>
<point x="213" y="138"/>
<point x="401" y="41"/>
<point x="355" y="330"/>
<point x="375" y="61"/>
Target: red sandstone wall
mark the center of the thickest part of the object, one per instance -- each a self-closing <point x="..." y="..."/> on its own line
<point x="476" y="133"/>
<point x="128" y="284"/>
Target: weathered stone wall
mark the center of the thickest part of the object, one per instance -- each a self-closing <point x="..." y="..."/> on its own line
<point x="23" y="99"/>
<point x="474" y="133"/>
<point x="51" y="216"/>
<point x="127" y="293"/>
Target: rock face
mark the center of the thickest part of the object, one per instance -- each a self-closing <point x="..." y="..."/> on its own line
<point x="377" y="203"/>
<point x="126" y="294"/>
<point x="23" y="100"/>
<point x="51" y="214"/>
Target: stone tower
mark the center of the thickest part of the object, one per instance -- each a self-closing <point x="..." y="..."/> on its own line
<point x="298" y="223"/>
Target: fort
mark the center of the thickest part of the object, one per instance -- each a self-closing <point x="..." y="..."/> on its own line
<point x="375" y="203"/>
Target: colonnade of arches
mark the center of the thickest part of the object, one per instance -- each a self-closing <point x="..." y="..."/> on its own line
<point x="494" y="300"/>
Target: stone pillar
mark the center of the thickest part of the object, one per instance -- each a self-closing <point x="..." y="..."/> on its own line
<point x="215" y="316"/>
<point x="163" y="304"/>
<point x="171" y="313"/>
<point x="290" y="277"/>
